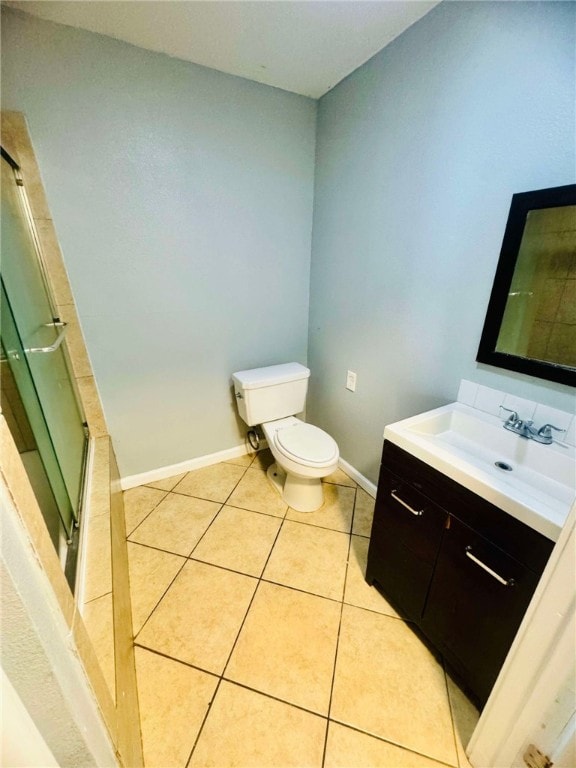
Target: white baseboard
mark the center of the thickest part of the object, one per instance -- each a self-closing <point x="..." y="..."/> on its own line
<point x="362" y="481"/>
<point x="131" y="481"/>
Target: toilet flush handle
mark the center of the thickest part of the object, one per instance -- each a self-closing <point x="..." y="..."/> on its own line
<point x="239" y="396"/>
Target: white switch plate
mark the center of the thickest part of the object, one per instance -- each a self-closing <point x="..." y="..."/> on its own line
<point x="351" y="381"/>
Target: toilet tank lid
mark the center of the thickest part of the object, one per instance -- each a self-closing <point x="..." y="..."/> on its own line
<point x="270" y="375"/>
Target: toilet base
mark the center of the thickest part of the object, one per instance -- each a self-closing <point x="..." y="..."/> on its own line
<point x="304" y="494"/>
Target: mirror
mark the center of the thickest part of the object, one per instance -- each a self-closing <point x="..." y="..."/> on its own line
<point x="530" y="324"/>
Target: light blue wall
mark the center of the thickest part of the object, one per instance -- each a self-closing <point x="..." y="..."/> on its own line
<point x="182" y="198"/>
<point x="418" y="154"/>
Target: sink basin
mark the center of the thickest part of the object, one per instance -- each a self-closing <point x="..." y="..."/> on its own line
<point x="534" y="483"/>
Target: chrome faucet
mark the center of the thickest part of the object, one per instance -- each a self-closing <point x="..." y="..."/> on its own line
<point x="527" y="429"/>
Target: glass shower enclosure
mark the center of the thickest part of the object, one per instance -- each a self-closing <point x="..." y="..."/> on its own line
<point x="38" y="397"/>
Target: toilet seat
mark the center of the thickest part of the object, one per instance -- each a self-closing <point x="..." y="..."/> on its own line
<point x="306" y="444"/>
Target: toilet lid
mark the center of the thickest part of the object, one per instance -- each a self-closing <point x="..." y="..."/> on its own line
<point x="306" y="442"/>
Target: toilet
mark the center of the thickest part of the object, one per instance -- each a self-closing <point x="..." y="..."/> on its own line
<point x="271" y="397"/>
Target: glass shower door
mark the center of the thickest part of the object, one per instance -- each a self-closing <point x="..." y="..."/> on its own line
<point x="32" y="336"/>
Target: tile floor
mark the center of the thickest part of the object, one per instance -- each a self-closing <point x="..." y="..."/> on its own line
<point x="258" y="642"/>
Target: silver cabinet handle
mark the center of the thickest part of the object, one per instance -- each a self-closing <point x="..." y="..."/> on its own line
<point x="53" y="347"/>
<point x="408" y="507"/>
<point x="506" y="582"/>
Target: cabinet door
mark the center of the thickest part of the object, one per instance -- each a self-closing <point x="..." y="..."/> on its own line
<point x="404" y="543"/>
<point x="477" y="598"/>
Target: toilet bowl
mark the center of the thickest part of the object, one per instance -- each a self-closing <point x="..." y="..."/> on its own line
<point x="303" y="454"/>
<point x="271" y="397"/>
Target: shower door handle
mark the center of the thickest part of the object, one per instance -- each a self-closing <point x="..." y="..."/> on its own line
<point x="59" y="339"/>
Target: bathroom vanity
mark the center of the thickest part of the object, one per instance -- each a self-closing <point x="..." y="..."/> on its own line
<point x="462" y="565"/>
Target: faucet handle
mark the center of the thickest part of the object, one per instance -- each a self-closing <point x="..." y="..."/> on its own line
<point x="546" y="430"/>
<point x="513" y="418"/>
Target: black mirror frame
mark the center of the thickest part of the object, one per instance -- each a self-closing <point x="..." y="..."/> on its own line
<point x="522" y="203"/>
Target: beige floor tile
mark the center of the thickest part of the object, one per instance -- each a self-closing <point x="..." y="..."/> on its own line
<point x="340" y="478"/>
<point x="255" y="492"/>
<point x="177" y="524"/>
<point x="138" y="503"/>
<point x="98" y="550"/>
<point x="363" y="513"/>
<point x="287" y="645"/>
<point x="99" y="622"/>
<point x="240" y="540"/>
<point x="173" y="701"/>
<point x="214" y="483"/>
<point x="350" y="749"/>
<point x="335" y="513"/>
<point x="199" y="617"/>
<point x="168" y="483"/>
<point x="465" y="716"/>
<point x="247" y="730"/>
<point x="242" y="461"/>
<point x="151" y="573"/>
<point x="357" y="591"/>
<point x="388" y="684"/>
<point x="309" y="558"/>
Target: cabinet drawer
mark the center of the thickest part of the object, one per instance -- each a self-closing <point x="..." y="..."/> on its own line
<point x="477" y="598"/>
<point x="519" y="540"/>
<point x="407" y="517"/>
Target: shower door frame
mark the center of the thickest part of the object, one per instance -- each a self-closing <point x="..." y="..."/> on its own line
<point x="72" y="529"/>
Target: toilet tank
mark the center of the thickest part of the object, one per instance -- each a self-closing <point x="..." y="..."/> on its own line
<point x="274" y="392"/>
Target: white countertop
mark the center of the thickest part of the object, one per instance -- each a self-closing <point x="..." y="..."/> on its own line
<point x="464" y="443"/>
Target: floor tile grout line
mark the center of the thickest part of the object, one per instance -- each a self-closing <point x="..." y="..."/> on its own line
<point x="338" y="634"/>
<point x="313" y="525"/>
<point x="260" y="579"/>
<point x="156" y="549"/>
<point x="210" y="524"/>
<point x="274" y="698"/>
<point x="255" y="511"/>
<point x="244" y="467"/>
<point x="166" y="493"/>
<point x="252" y="600"/>
<point x="337" y="721"/>
<point x="229" y="506"/>
<point x="98" y="597"/>
<point x="451" y="708"/>
<point x="180" y="493"/>
<point x="179" y="571"/>
<point x="222" y="677"/>
<point x="156" y="652"/>
<point x="299" y="590"/>
<point x="397" y="744"/>
<point x="187" y="558"/>
<point x="204" y="719"/>
<point x="225" y="504"/>
<point x="231" y="651"/>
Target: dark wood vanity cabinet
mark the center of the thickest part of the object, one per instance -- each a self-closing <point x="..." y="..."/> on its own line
<point x="458" y="567"/>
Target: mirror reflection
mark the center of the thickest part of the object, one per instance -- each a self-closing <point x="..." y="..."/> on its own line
<point x="540" y="316"/>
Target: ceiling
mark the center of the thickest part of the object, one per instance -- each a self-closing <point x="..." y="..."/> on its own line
<point x="305" y="47"/>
